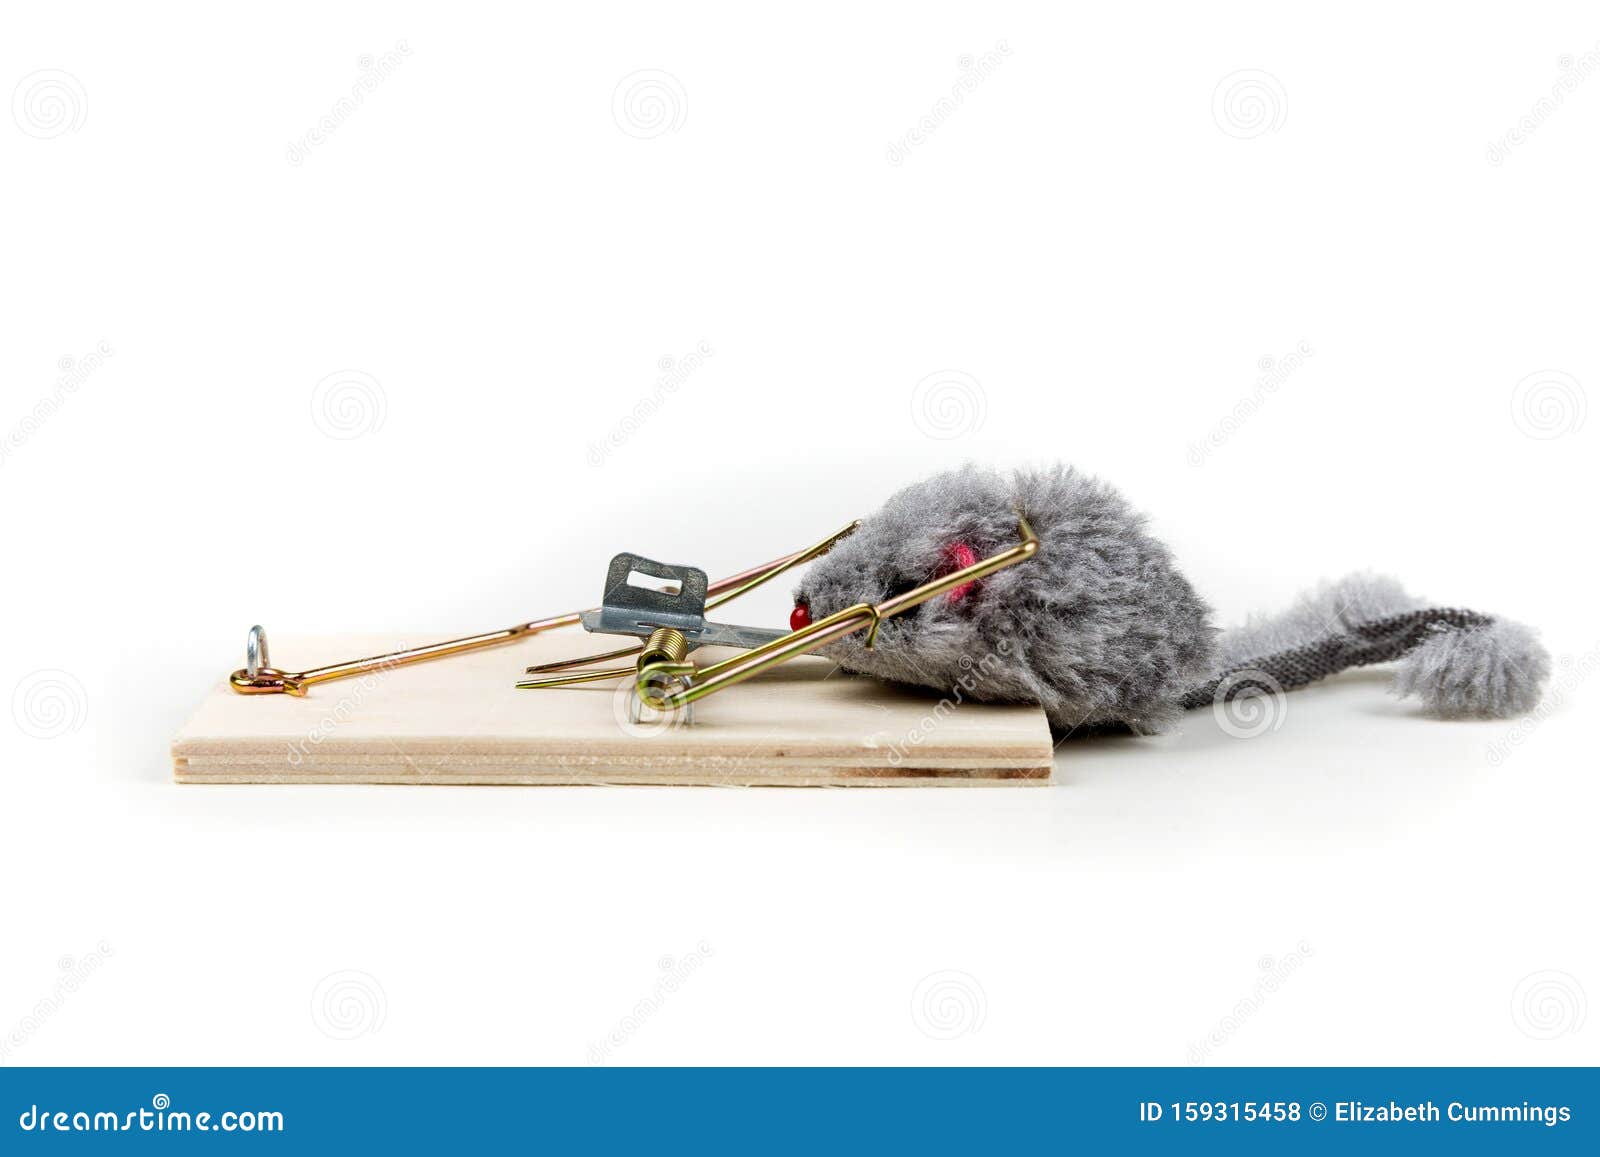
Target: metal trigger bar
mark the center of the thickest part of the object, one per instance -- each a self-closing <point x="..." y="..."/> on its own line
<point x="671" y="633"/>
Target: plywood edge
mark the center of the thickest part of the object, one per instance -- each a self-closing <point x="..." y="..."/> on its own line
<point x="558" y="777"/>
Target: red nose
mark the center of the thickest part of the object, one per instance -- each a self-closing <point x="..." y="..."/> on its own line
<point x="800" y="617"/>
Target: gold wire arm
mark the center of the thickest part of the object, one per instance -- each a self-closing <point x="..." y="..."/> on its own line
<point x="725" y="591"/>
<point x="259" y="677"/>
<point x="265" y="680"/>
<point x="599" y="675"/>
<point x="603" y="656"/>
<point x="815" y="550"/>
<point x="819" y="634"/>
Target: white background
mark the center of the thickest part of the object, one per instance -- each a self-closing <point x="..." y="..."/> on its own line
<point x="1092" y="254"/>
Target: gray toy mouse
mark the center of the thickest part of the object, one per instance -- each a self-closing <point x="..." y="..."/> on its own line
<point x="1103" y="631"/>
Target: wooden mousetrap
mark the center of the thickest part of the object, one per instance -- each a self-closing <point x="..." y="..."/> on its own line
<point x="401" y="717"/>
<point x="801" y="724"/>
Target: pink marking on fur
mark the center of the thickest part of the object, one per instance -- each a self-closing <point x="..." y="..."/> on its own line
<point x="959" y="556"/>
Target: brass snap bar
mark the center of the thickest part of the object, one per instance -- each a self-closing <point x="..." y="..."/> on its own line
<point x="259" y="677"/>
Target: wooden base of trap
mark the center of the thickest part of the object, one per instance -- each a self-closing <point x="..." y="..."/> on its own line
<point x="460" y="721"/>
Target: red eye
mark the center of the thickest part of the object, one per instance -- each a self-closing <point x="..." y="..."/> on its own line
<point x="800" y="617"/>
<point x="959" y="556"/>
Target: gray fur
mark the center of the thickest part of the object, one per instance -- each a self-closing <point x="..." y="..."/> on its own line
<point x="1099" y="626"/>
<point x="1459" y="663"/>
<point x="1103" y="631"/>
<point x="1332" y="607"/>
<point x="1493" y="671"/>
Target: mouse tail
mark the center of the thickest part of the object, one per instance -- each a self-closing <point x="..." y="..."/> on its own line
<point x="1459" y="663"/>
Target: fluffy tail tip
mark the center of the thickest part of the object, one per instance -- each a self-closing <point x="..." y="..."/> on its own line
<point x="1488" y="672"/>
